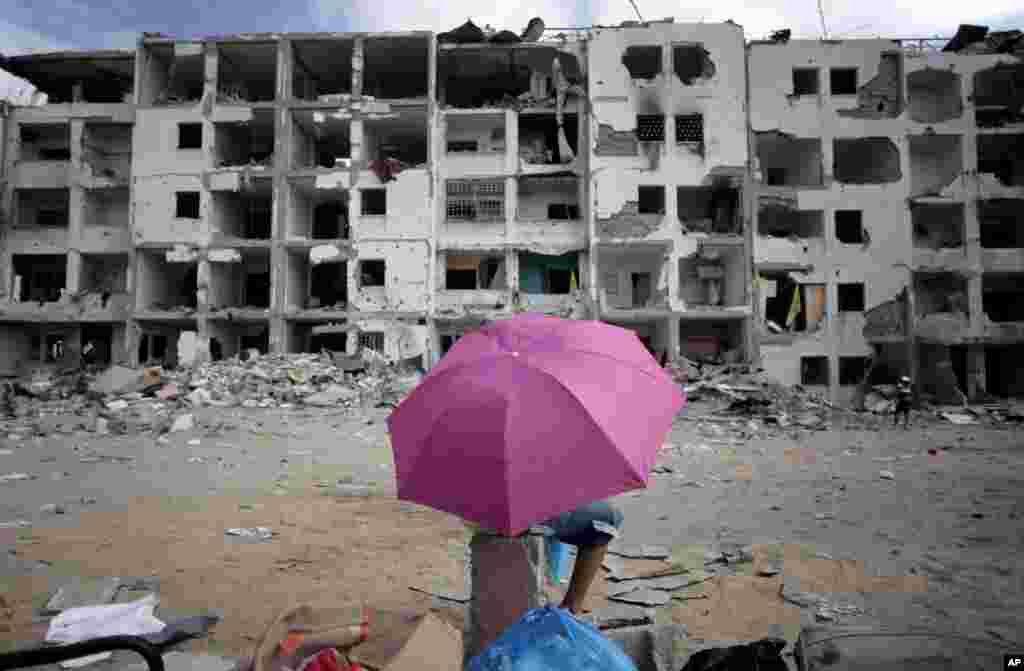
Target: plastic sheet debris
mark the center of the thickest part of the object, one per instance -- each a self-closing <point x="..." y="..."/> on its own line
<point x="120" y="619"/>
<point x="16" y="477"/>
<point x="253" y="533"/>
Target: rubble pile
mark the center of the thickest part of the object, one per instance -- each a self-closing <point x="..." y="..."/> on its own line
<point x="120" y="400"/>
<point x="751" y="393"/>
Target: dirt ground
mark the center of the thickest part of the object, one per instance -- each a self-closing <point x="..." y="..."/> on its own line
<point x="949" y="516"/>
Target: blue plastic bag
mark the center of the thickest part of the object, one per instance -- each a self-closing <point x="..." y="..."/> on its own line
<point x="560" y="557"/>
<point x="551" y="639"/>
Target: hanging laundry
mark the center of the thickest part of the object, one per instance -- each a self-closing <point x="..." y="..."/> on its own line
<point x="386" y="169"/>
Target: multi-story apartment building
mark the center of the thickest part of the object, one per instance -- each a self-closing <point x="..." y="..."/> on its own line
<point x="889" y="214"/>
<point x="295" y="192"/>
<point x="812" y="205"/>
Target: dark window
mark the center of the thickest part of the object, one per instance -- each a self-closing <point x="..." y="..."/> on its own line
<point x="190" y="136"/>
<point x="460" y="280"/>
<point x="843" y="81"/>
<point x="814" y="370"/>
<point x="652" y="199"/>
<point x="372" y="340"/>
<point x="374" y="202"/>
<point x="851" y="297"/>
<point x="458" y="146"/>
<point x="51" y="218"/>
<point x="447" y="341"/>
<point x="650" y="128"/>
<point x="50" y="154"/>
<point x="691" y="62"/>
<point x="643" y="62"/>
<point x="563" y="211"/>
<point x="373" y="273"/>
<point x="805" y="82"/>
<point x="852" y="369"/>
<point x="690" y="128"/>
<point x="559" y="281"/>
<point x="187" y="206"/>
<point x="849" y="227"/>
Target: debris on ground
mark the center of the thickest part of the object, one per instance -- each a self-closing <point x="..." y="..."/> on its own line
<point x="253" y="533"/>
<point x="118" y="400"/>
<point x="16" y="477"/>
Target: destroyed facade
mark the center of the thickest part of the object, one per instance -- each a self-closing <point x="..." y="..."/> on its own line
<point x="890" y="212"/>
<point x="802" y="204"/>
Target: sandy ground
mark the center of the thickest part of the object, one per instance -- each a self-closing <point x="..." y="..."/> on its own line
<point x="952" y="516"/>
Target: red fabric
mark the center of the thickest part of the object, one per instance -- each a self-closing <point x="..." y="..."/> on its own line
<point x="386" y="169"/>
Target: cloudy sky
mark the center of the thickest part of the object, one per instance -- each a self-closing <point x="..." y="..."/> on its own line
<point x="43" y="25"/>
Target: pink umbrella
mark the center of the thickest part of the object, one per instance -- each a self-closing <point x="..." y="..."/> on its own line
<point x="530" y="417"/>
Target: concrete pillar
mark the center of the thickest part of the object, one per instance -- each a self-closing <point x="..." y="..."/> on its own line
<point x="512" y="269"/>
<point x="506" y="579"/>
<point x="512" y="141"/>
<point x="673" y="338"/>
<point x="357" y="66"/>
<point x="73" y="271"/>
<point x="976" y="382"/>
<point x="76" y="209"/>
<point x="511" y="205"/>
<point x="285" y="70"/>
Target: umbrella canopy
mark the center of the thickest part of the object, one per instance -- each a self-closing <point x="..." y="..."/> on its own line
<point x="530" y="417"/>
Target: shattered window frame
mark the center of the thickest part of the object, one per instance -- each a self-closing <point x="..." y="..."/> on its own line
<point x="475" y="200"/>
<point x="373" y="340"/>
<point x="187" y="205"/>
<point x="841" y="73"/>
<point x="806" y="87"/>
<point x="643" y="52"/>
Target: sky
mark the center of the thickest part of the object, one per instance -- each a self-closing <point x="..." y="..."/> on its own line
<point x="47" y="25"/>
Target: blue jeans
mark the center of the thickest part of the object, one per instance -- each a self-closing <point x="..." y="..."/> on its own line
<point x="596" y="523"/>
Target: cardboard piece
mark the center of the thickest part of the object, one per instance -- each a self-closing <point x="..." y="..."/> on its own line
<point x="739" y="607"/>
<point x="409" y="642"/>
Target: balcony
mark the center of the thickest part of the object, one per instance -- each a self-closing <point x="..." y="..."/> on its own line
<point x="475" y="144"/>
<point x="938" y="235"/>
<point x="787" y="236"/>
<point x="106" y="156"/>
<point x="548" y="212"/>
<point x="44" y="157"/>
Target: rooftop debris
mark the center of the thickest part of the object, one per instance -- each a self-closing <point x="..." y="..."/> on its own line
<point x="978" y="40"/>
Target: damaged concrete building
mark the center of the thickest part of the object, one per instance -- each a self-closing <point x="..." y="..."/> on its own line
<point x="889" y="211"/>
<point x="815" y="206"/>
<point x="297" y="192"/>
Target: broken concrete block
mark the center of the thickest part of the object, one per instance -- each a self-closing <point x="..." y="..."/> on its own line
<point x="116" y="380"/>
<point x="643" y="597"/>
<point x="617" y="615"/>
<point x="224" y="256"/>
<point x="640" y="551"/>
<point x="181" y="254"/>
<point x="183" y="423"/>
<point x="82" y="592"/>
<point x="331" y="396"/>
<point x="324" y="254"/>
